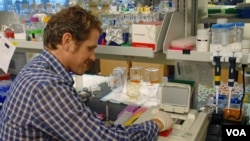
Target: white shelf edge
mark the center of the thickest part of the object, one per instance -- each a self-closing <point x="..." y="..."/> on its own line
<point x="22" y="44"/>
<point x="112" y="50"/>
<point x="125" y="51"/>
<point x="193" y="56"/>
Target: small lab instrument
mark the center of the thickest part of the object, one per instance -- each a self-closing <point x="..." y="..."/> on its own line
<point x="190" y="125"/>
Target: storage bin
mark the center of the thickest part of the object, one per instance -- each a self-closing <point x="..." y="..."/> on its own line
<point x="243" y="12"/>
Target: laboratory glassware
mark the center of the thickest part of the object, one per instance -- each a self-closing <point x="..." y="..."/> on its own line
<point x="117" y="80"/>
<point x="134" y="83"/>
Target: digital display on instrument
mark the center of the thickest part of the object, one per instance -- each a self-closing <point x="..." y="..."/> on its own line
<point x="175" y="96"/>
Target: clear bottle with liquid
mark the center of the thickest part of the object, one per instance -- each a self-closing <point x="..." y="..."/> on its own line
<point x="239" y="28"/>
<point x="225" y="34"/>
<point x="24" y="12"/>
<point x="216" y="34"/>
<point x="34" y="29"/>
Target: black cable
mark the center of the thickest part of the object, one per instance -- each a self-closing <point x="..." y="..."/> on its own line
<point x="243" y="94"/>
<point x="244" y="89"/>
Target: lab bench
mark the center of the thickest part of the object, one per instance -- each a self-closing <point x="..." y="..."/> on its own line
<point x="114" y="109"/>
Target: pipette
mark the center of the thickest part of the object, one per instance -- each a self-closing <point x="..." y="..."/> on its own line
<point x="107" y="121"/>
<point x="231" y="77"/>
<point x="217" y="78"/>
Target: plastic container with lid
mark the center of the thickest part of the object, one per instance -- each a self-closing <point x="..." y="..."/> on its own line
<point x="225" y="34"/>
<point x="202" y="40"/>
<point x="239" y="28"/>
<point x="221" y="20"/>
<point x="34" y="29"/>
<point x="186" y="43"/>
<point x="9" y="34"/>
<point x="231" y="32"/>
<point x="216" y="34"/>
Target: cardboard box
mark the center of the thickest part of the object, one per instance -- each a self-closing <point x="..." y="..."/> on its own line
<point x="106" y="66"/>
<point x="145" y="35"/>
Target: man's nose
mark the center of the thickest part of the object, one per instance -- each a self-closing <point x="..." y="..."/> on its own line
<point x="92" y="56"/>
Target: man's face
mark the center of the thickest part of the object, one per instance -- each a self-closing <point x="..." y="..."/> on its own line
<point x="82" y="59"/>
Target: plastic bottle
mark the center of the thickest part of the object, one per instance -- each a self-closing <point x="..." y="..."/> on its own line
<point x="24" y="12"/>
<point x="156" y="5"/>
<point x="131" y="6"/>
<point x="202" y="40"/>
<point x="114" y="7"/>
<point x="49" y="9"/>
<point x="117" y="80"/>
<point x="225" y="34"/>
<point x="231" y="32"/>
<point x="10" y="35"/>
<point x="216" y="34"/>
<point x="239" y="27"/>
<point x="59" y="7"/>
<point x="34" y="29"/>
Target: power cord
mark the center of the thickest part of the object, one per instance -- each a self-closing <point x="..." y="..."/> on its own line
<point x="243" y="95"/>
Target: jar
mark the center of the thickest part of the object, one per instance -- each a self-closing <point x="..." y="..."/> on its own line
<point x="225" y="34"/>
<point x="239" y="27"/>
<point x="216" y="34"/>
<point x="202" y="40"/>
<point x="34" y="29"/>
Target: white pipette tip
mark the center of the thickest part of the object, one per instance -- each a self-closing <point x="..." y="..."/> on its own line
<point x="217" y="99"/>
<point x="229" y="98"/>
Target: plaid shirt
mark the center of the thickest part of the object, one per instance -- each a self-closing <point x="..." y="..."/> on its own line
<point x="42" y="105"/>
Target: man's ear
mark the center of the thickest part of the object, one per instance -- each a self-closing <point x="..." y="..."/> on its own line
<point x="67" y="41"/>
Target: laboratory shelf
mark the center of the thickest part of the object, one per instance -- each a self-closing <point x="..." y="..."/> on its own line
<point x="188" y="55"/>
<point x="230" y="19"/>
<point x="30" y="46"/>
<point x="159" y="58"/>
<point x="125" y="53"/>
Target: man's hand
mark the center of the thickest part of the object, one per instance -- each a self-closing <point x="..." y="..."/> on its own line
<point x="163" y="121"/>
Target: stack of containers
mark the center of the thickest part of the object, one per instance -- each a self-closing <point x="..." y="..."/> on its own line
<point x="216" y="31"/>
<point x="239" y="27"/>
<point x="5" y="82"/>
<point x="226" y="34"/>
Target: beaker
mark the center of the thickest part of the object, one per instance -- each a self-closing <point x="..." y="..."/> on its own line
<point x="151" y="76"/>
<point x="124" y="75"/>
<point x="133" y="90"/>
<point x="151" y="79"/>
<point x="136" y="74"/>
<point x="134" y="84"/>
<point x="117" y="80"/>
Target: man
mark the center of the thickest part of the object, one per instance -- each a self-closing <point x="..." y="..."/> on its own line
<point x="42" y="103"/>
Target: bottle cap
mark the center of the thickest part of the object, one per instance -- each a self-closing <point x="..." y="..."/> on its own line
<point x="9" y="34"/>
<point x="239" y="24"/>
<point x="34" y="19"/>
<point x="215" y="26"/>
<point x="203" y="32"/>
<point x="221" y="20"/>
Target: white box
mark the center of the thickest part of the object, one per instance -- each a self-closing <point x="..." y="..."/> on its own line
<point x="145" y="35"/>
